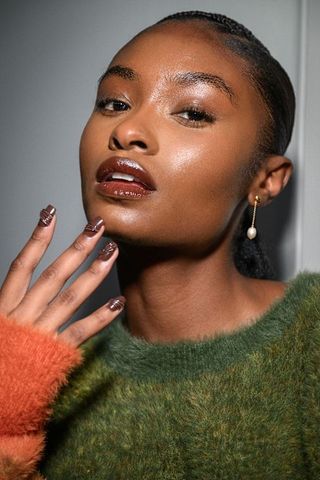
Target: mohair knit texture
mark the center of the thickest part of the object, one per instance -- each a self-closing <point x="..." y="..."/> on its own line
<point x="243" y="405"/>
<point x="33" y="367"/>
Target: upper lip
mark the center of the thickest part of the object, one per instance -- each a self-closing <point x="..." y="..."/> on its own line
<point x="125" y="165"/>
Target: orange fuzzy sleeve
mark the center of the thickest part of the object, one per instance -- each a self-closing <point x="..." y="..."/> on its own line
<point x="33" y="367"/>
<point x="19" y="456"/>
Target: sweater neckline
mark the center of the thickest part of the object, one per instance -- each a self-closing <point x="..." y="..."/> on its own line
<point x="137" y="358"/>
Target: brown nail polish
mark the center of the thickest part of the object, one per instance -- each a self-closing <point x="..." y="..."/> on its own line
<point x="107" y="251"/>
<point x="116" y="303"/>
<point x="93" y="227"/>
<point x="46" y="216"/>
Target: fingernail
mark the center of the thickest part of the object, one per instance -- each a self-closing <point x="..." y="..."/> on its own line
<point x="46" y="216"/>
<point x="107" y="251"/>
<point x="116" y="303"/>
<point x="93" y="227"/>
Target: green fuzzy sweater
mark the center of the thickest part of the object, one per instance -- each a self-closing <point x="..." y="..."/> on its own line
<point x="244" y="405"/>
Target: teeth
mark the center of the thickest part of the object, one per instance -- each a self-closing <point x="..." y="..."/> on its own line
<point x="122" y="176"/>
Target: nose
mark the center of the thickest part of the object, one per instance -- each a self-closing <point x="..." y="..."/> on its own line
<point x="133" y="133"/>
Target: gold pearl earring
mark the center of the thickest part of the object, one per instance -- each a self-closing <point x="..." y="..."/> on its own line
<point x="252" y="231"/>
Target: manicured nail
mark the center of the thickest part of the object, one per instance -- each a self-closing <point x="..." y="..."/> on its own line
<point x="107" y="251"/>
<point x="93" y="227"/>
<point x="116" y="303"/>
<point x="46" y="216"/>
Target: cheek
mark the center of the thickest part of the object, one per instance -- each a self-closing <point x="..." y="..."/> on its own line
<point x="209" y="166"/>
<point x="90" y="148"/>
<point x="89" y="154"/>
<point x="204" y="201"/>
<point x="206" y="183"/>
<point x="199" y="176"/>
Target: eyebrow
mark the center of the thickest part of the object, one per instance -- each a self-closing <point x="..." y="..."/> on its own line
<point x="183" y="78"/>
<point x="190" y="78"/>
<point x="119" y="71"/>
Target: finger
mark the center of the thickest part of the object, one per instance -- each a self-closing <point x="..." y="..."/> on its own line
<point x="53" y="278"/>
<point x="21" y="269"/>
<point x="82" y="330"/>
<point x="70" y="299"/>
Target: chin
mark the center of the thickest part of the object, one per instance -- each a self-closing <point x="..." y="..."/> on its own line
<point x="117" y="226"/>
<point x="133" y="228"/>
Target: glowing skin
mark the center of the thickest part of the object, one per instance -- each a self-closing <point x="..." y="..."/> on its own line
<point x="197" y="165"/>
<point x="178" y="239"/>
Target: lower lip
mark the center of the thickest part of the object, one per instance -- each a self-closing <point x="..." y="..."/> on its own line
<point x="132" y="191"/>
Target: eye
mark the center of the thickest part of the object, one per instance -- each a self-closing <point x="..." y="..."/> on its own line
<point x="196" y="116"/>
<point x="111" y="105"/>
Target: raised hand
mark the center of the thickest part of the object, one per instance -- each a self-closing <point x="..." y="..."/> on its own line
<point x="45" y="305"/>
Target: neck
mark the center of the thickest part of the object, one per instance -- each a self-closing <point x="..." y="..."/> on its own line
<point x="177" y="297"/>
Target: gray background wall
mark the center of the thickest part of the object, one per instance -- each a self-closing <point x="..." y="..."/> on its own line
<point x="51" y="57"/>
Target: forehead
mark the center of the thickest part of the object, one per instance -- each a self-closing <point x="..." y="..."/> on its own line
<point x="177" y="46"/>
<point x="166" y="51"/>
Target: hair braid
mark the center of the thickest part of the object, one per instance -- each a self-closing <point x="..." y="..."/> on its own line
<point x="231" y="26"/>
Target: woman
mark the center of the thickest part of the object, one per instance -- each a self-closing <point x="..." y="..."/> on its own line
<point x="213" y="370"/>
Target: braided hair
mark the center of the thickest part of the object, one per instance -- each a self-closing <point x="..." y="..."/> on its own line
<point x="276" y="91"/>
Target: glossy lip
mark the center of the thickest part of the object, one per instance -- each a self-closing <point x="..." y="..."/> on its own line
<point x="125" y="165"/>
<point x="123" y="190"/>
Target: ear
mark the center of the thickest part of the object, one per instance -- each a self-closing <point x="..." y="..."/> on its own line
<point x="271" y="179"/>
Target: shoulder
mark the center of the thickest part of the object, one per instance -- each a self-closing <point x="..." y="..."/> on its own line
<point x="300" y="292"/>
<point x="306" y="288"/>
<point x="296" y="302"/>
<point x="303" y="293"/>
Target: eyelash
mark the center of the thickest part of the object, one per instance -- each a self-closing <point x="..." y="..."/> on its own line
<point x="203" y="116"/>
<point x="101" y="104"/>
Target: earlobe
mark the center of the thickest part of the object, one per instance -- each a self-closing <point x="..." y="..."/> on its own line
<point x="271" y="179"/>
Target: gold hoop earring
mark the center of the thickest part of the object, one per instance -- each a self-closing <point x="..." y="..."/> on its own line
<point x="252" y="231"/>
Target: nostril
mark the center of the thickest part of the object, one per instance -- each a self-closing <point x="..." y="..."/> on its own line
<point x="117" y="144"/>
<point x="139" y="144"/>
<point x="126" y="144"/>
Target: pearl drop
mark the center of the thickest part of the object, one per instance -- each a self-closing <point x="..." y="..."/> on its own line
<point x="251" y="233"/>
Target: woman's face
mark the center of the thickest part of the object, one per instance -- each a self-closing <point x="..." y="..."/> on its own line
<point x="182" y="108"/>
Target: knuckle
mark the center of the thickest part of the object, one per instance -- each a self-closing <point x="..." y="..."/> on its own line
<point x="16" y="264"/>
<point x="44" y="321"/>
<point x="67" y="297"/>
<point x="100" y="317"/>
<point x="94" y="269"/>
<point x="78" y="245"/>
<point x="19" y="264"/>
<point x="77" y="333"/>
<point x="38" y="236"/>
<point x="49" y="273"/>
